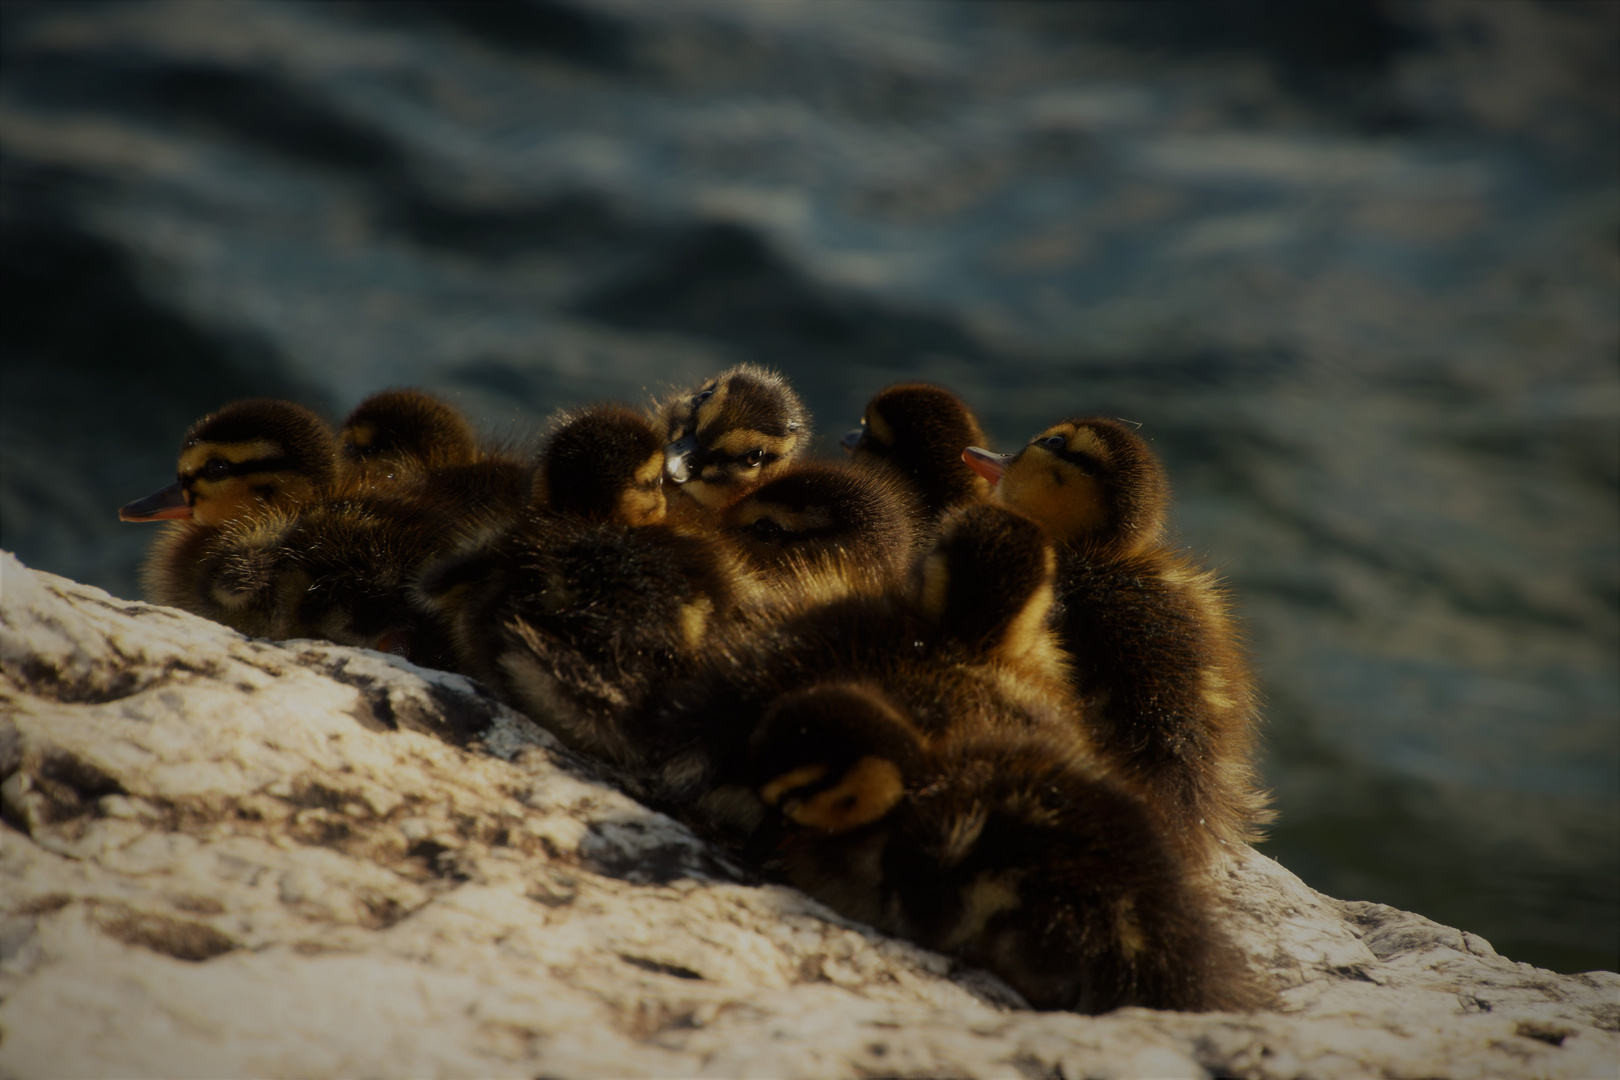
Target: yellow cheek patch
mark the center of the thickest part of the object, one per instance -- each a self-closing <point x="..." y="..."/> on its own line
<point x="986" y="898"/>
<point x="772" y="793"/>
<point x="651" y="469"/>
<point x="1027" y="632"/>
<point x="867" y="792"/>
<point x="695" y="620"/>
<point x="878" y="428"/>
<point x="711" y="490"/>
<point x="1068" y="502"/>
<point x="641" y="506"/>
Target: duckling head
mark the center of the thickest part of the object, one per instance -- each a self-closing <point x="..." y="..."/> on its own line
<point x="988" y="581"/>
<point x="921" y="430"/>
<point x="247" y="457"/>
<point x="825" y="513"/>
<point x="833" y="757"/>
<point x="603" y="464"/>
<point x="740" y="429"/>
<point x="404" y="429"/>
<point x="1091" y="482"/>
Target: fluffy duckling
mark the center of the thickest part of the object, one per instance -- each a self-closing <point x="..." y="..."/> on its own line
<point x="1157" y="662"/>
<point x="740" y="429"/>
<point x="591" y="601"/>
<point x="734" y="458"/>
<point x="407" y="442"/>
<point x="964" y="647"/>
<point x="247" y="467"/>
<point x="920" y="430"/>
<point x="823" y="527"/>
<point x="417" y="484"/>
<point x="285" y="541"/>
<point x="401" y="433"/>
<point x="343" y="570"/>
<point x="1006" y="849"/>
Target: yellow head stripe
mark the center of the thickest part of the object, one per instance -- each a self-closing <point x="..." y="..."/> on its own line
<point x="772" y="793"/>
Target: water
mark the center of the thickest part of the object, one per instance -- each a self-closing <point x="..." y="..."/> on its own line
<point x="1353" y="268"/>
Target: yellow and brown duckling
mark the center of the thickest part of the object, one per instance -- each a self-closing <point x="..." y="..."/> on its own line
<point x="249" y="466"/>
<point x="824" y="528"/>
<point x="735" y="432"/>
<point x="287" y="542"/>
<point x="964" y="647"/>
<point x="398" y="434"/>
<point x="407" y="442"/>
<point x="1156" y="659"/>
<point x="735" y="467"/>
<point x="592" y="601"/>
<point x="1007" y="849"/>
<point x="920" y="431"/>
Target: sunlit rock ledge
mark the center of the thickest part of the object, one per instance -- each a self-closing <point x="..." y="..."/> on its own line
<point x="228" y="857"/>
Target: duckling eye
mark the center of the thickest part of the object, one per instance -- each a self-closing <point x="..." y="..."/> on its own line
<point x="754" y="457"/>
<point x="703" y="395"/>
<point x="1052" y="442"/>
<point x="216" y="469"/>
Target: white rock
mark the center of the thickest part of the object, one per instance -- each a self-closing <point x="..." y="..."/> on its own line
<point x="227" y="857"/>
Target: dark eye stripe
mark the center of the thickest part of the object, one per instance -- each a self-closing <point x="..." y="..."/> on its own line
<point x="246" y="468"/>
<point x="702" y="458"/>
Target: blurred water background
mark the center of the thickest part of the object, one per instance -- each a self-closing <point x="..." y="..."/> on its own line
<point x="1353" y="267"/>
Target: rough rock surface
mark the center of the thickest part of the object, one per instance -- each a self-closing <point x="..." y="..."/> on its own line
<point x="226" y="857"/>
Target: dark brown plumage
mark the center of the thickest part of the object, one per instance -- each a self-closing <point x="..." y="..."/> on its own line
<point x="590" y="602"/>
<point x="1005" y="848"/>
<point x="1157" y="662"/>
<point x="920" y="431"/>
<point x="932" y="647"/>
<point x="395" y="435"/>
<point x="819" y="524"/>
<point x="288" y="541"/>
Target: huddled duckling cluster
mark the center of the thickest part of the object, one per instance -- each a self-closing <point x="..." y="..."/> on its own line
<point x="973" y="699"/>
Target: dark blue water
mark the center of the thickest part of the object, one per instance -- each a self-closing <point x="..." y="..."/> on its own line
<point x="1353" y="267"/>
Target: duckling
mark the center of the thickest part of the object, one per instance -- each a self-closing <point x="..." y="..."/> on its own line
<point x="406" y="442"/>
<point x="920" y="430"/>
<point x="252" y="463"/>
<point x="284" y="543"/>
<point x="963" y="646"/>
<point x="1156" y="660"/>
<point x="402" y="433"/>
<point x="740" y="429"/>
<point x="803" y="525"/>
<point x="823" y="526"/>
<point x="1007" y="849"/>
<point x="592" y="601"/>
